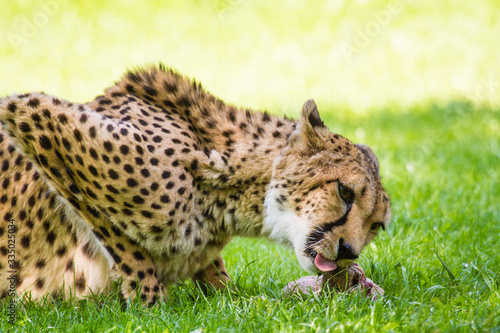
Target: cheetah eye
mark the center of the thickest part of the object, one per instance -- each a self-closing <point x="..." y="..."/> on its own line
<point x="375" y="226"/>
<point x="346" y="194"/>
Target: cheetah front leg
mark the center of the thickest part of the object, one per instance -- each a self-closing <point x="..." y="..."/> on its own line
<point x="131" y="263"/>
<point x="213" y="276"/>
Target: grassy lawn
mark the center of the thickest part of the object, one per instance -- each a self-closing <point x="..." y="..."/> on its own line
<point x="422" y="90"/>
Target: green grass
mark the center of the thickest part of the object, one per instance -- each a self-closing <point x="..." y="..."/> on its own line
<point x="416" y="94"/>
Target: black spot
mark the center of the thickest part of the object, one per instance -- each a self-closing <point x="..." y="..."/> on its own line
<point x="126" y="269"/>
<point x="124" y="149"/>
<point x="74" y="189"/>
<point x="93" y="170"/>
<point x="169" y="151"/>
<point x="110" y="198"/>
<point x="62" y="119"/>
<point x="5" y="183"/>
<point x="25" y="241"/>
<point x="138" y="199"/>
<point x="88" y="251"/>
<point x="194" y="164"/>
<point x="108" y="146"/>
<point x="79" y="159"/>
<point x="24" y="127"/>
<point x="232" y="116"/>
<point x="92" y="132"/>
<point x="39" y="283"/>
<point x="36" y="118"/>
<point x="55" y="172"/>
<point x="61" y="251"/>
<point x="150" y="91"/>
<point x="51" y="237"/>
<point x="105" y="232"/>
<point x="188" y="230"/>
<point x="93" y="153"/>
<point x="138" y="256"/>
<point x="34" y="102"/>
<point x="128" y="168"/>
<point x="112" y="189"/>
<point x="45" y="142"/>
<point x="78" y="135"/>
<point x="19" y="160"/>
<point x="66" y="144"/>
<point x="147" y="214"/>
<point x="12" y="107"/>
<point x="265" y="117"/>
<point x="46" y="114"/>
<point x="156" y="229"/>
<point x="131" y="182"/>
<point x="113" y="174"/>
<point x="133" y="285"/>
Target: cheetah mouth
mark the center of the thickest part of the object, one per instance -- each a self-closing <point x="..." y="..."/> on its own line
<point x="322" y="263"/>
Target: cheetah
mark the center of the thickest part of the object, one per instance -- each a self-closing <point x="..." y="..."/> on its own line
<point x="146" y="184"/>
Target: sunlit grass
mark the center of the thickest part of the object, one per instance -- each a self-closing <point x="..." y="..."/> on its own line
<point x="423" y="93"/>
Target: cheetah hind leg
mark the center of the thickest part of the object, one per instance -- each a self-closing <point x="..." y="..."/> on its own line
<point x="53" y="133"/>
<point x="214" y="276"/>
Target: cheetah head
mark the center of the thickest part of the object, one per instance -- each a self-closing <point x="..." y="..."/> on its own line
<point x="325" y="197"/>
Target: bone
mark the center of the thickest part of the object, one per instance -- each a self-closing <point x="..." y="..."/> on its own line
<point x="350" y="279"/>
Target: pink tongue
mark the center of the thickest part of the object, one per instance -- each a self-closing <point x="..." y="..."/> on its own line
<point x="324" y="264"/>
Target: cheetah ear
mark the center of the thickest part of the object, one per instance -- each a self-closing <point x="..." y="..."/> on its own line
<point x="370" y="155"/>
<point x="311" y="114"/>
<point x="311" y="131"/>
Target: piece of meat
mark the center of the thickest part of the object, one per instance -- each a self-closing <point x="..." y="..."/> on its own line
<point x="348" y="279"/>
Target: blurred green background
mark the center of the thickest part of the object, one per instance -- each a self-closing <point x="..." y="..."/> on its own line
<point x="418" y="81"/>
<point x="357" y="55"/>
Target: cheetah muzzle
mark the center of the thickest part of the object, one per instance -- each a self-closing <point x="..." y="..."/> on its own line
<point x="147" y="184"/>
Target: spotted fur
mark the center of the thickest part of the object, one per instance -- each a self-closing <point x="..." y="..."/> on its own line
<point x="147" y="184"/>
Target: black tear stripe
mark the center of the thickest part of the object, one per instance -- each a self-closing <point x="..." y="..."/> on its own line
<point x="315" y="236"/>
<point x="330" y="225"/>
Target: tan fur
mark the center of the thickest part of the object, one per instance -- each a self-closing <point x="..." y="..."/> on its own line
<point x="149" y="182"/>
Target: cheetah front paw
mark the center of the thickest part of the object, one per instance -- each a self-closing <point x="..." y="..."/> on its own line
<point x="144" y="286"/>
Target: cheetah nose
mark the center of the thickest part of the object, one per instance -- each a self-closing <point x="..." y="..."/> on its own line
<point x="345" y="251"/>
